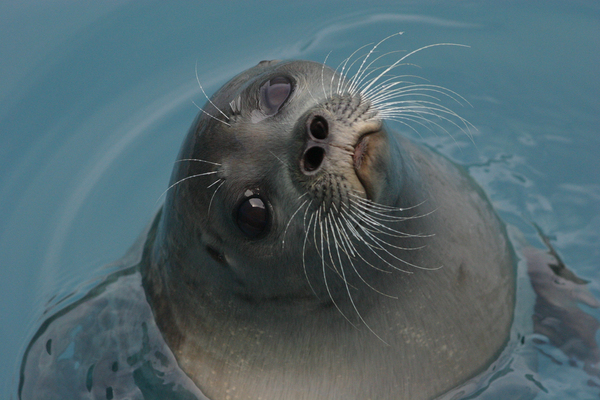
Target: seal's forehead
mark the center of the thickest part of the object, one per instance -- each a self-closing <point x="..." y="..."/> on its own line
<point x="256" y="112"/>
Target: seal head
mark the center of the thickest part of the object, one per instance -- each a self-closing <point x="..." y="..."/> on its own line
<point x="279" y="146"/>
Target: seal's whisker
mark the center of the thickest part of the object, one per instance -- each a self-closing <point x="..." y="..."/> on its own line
<point x="422" y="111"/>
<point x="339" y="76"/>
<point x="302" y="195"/>
<point x="373" y="70"/>
<point x="208" y="98"/>
<point x="199" y="160"/>
<point x="377" y="216"/>
<point x="393" y="86"/>
<point x="382" y="207"/>
<point x="358" y="76"/>
<point x="424" y="119"/>
<point x="346" y="86"/>
<point x="338" y="270"/>
<point x="323" y="75"/>
<point x="307" y="231"/>
<point x="419" y="110"/>
<point x="363" y="85"/>
<point x="385" y="212"/>
<point x="305" y="213"/>
<point x="317" y="219"/>
<point x="390" y="90"/>
<point x="376" y="230"/>
<point x="353" y="222"/>
<point x="383" y="244"/>
<point x="407" y="121"/>
<point x="371" y="205"/>
<point x="415" y="92"/>
<point x="370" y="245"/>
<point x="387" y="231"/>
<point x="379" y="227"/>
<point x="185" y="179"/>
<point x="407" y="125"/>
<point x="383" y="102"/>
<point x="214" y="183"/>
<point x="451" y="94"/>
<point x="290" y="221"/>
<point x="421" y="107"/>
<point x="395" y="64"/>
<point x="374" y="249"/>
<point x="310" y="93"/>
<point x="393" y="219"/>
<point x="280" y="160"/>
<point x="391" y="82"/>
<point x="421" y="116"/>
<point x="349" y="241"/>
<point x="214" y="193"/>
<point x="374" y="226"/>
<point x="382" y="216"/>
<point x="210" y="115"/>
<point x="417" y="118"/>
<point x="344" y="64"/>
<point x="348" y="288"/>
<point x="316" y="231"/>
<point x="323" y="264"/>
<point x="349" y="248"/>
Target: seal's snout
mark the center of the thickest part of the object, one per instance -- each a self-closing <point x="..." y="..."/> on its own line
<point x="336" y="133"/>
<point x="343" y="140"/>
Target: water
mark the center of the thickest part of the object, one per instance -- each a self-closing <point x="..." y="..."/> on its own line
<point x="96" y="98"/>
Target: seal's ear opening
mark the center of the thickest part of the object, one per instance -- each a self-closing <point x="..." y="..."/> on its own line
<point x="265" y="63"/>
<point x="252" y="217"/>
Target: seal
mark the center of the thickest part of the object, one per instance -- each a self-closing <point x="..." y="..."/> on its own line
<point x="304" y="251"/>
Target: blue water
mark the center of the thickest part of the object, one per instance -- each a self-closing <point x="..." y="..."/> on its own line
<point x="95" y="99"/>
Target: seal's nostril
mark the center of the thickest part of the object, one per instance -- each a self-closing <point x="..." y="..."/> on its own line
<point x="318" y="128"/>
<point x="313" y="158"/>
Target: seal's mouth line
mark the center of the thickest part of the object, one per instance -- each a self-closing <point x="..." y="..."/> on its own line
<point x="361" y="149"/>
<point x="361" y="152"/>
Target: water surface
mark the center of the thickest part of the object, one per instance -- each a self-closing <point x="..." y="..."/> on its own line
<point x="95" y="100"/>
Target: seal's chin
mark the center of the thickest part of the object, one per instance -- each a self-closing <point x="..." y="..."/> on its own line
<point x="364" y="159"/>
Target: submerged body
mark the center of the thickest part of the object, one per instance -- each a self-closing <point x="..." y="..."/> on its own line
<point x="304" y="251"/>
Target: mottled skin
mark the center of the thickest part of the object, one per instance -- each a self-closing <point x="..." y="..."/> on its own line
<point x="247" y="319"/>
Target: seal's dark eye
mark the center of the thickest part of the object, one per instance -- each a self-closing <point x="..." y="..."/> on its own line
<point x="274" y="93"/>
<point x="253" y="217"/>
